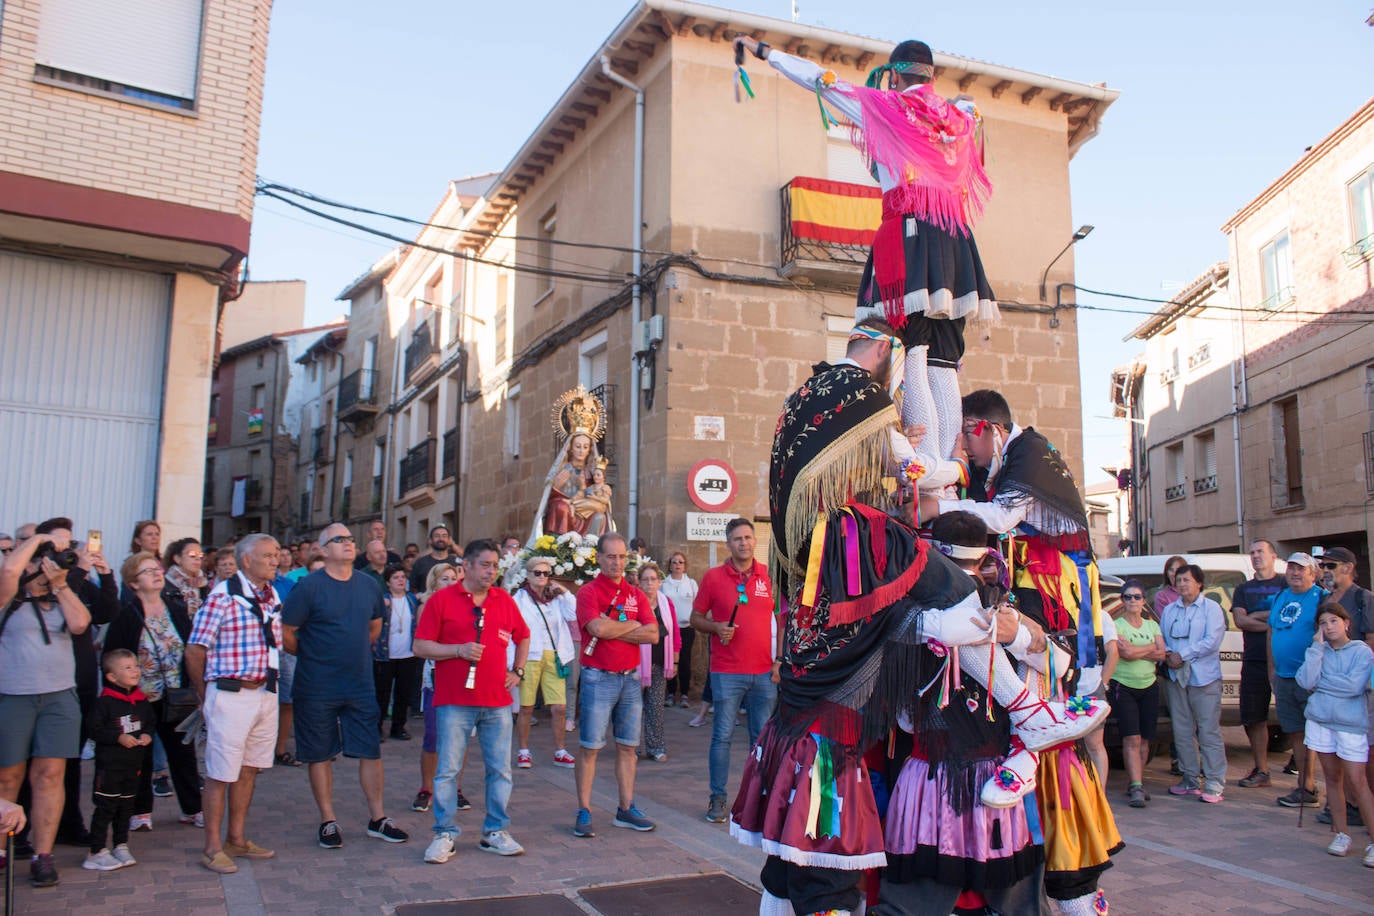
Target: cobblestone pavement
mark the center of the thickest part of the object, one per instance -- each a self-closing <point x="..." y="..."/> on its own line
<point x="1245" y="855"/>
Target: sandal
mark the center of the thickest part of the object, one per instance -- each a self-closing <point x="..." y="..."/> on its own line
<point x="287" y="759"/>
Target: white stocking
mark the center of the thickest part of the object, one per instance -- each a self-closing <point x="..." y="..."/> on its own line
<point x="944" y="390"/>
<point x="959" y="626"/>
<point x="918" y="403"/>
<point x="775" y="906"/>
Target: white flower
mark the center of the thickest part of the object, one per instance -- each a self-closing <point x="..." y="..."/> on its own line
<point x="579" y="561"/>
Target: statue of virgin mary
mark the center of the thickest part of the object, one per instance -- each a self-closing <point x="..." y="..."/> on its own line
<point x="579" y="418"/>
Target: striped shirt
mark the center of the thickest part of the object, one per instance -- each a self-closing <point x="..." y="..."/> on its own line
<point x="232" y="632"/>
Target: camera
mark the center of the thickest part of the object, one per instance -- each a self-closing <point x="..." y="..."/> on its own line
<point x="65" y="559"/>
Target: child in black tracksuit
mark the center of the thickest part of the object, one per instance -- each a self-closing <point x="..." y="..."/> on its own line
<point x="121" y="724"/>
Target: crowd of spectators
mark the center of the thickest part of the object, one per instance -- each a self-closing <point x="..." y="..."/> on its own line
<point x="220" y="663"/>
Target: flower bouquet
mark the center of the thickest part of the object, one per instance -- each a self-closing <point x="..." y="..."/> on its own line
<point x="573" y="556"/>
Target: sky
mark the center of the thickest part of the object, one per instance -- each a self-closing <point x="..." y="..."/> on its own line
<point x="381" y="104"/>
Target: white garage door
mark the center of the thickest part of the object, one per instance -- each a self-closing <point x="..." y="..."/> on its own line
<point x="83" y="353"/>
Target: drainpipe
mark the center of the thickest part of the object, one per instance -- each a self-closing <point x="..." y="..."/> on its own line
<point x="637" y="243"/>
<point x="1240" y="396"/>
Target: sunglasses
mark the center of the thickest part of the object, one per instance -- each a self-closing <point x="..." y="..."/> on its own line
<point x="1132" y="597"/>
<point x="743" y="598"/>
<point x="341" y="539"/>
<point x="540" y="573"/>
<point x="1329" y="565"/>
<point x="6" y="550"/>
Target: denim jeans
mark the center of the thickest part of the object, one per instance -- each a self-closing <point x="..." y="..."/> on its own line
<point x="493" y="724"/>
<point x="757" y="694"/>
<point x="609" y="700"/>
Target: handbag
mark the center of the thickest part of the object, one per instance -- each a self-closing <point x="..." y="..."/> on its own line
<point x="178" y="702"/>
<point x="562" y="670"/>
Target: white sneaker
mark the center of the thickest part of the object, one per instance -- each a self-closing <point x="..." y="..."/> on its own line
<point x="141" y="822"/>
<point x="440" y="849"/>
<point x="1340" y="845"/>
<point x="1369" y="856"/>
<point x="123" y="856"/>
<point x="500" y="842"/>
<point x="88" y="750"/>
<point x="1043" y="724"/>
<point x="194" y="820"/>
<point x="101" y="861"/>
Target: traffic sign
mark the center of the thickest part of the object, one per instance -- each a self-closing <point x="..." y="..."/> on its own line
<point x="711" y="485"/>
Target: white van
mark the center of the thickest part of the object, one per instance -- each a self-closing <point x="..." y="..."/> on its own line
<point x="1223" y="571"/>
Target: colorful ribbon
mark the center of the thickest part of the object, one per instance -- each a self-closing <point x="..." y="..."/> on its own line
<point x="813" y="563"/>
<point x="851" y="555"/>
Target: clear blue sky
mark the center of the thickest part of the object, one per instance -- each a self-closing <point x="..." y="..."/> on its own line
<point x="380" y="104"/>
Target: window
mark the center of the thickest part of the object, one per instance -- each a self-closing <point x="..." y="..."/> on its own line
<point x="1201" y="356"/>
<point x="140" y="49"/>
<point x="1205" y="462"/>
<point x="543" y="253"/>
<point x="502" y="310"/>
<point x="513" y="422"/>
<point x="1285" y="474"/>
<point x="591" y="370"/>
<point x="435" y="303"/>
<point x="837" y="328"/>
<point x="259" y="396"/>
<point x="314" y="371"/>
<point x="1361" y="196"/>
<point x="1276" y="273"/>
<point x="843" y="161"/>
<point x="1175" y="481"/>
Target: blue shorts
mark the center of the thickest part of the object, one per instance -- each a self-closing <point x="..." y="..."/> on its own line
<point x="608" y="698"/>
<point x="286" y="677"/>
<point x="326" y="728"/>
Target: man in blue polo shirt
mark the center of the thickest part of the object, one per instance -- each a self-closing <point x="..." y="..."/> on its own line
<point x="1292" y="621"/>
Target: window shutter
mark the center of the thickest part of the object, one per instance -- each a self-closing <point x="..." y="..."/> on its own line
<point x="142" y="44"/>
<point x="843" y="161"/>
<point x="836" y="338"/>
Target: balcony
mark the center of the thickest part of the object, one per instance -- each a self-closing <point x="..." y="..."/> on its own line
<point x="422" y="354"/>
<point x="827" y="230"/>
<point x="1177" y="491"/>
<point x="252" y="492"/>
<point x="319" y="445"/>
<point x="450" y="466"/>
<point x="1369" y="462"/>
<point x="358" y="395"/>
<point x="1278" y="301"/>
<point x="1206" y="484"/>
<point x="417" y="473"/>
<point x="1359" y="252"/>
<point x="376" y="504"/>
<point x="346" y="503"/>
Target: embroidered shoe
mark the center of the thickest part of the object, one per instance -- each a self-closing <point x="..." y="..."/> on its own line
<point x="1013" y="779"/>
<point x="1043" y="724"/>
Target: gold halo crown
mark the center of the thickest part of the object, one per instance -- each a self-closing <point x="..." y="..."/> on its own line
<point x="579" y="412"/>
<point x="602" y="463"/>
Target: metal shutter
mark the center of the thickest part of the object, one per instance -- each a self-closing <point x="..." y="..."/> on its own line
<point x="144" y="44"/>
<point x="83" y="353"/>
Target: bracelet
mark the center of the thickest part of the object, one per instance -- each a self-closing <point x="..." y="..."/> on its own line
<point x="761" y="51"/>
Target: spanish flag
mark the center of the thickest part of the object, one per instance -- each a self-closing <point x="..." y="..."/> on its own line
<point x="834" y="211"/>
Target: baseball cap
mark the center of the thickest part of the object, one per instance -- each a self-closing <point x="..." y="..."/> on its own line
<point x="1302" y="559"/>
<point x="1340" y="555"/>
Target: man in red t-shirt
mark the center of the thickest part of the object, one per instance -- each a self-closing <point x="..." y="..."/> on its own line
<point x="735" y="606"/>
<point x="615" y="619"/>
<point x="466" y="629"/>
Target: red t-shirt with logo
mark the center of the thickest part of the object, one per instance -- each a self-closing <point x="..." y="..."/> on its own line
<point x="752" y="649"/>
<point x="448" y="618"/>
<point x="593" y="600"/>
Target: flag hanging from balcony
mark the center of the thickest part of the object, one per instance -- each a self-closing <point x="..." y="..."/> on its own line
<point x="836" y="212"/>
<point x="255" y="421"/>
<point x="238" y="502"/>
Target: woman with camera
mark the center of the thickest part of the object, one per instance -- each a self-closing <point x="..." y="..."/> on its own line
<point x="154" y="625"/>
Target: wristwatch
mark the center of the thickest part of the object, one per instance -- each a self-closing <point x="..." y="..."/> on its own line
<point x="519" y="672"/>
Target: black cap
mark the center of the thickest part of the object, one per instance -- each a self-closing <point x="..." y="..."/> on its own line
<point x="1340" y="555"/>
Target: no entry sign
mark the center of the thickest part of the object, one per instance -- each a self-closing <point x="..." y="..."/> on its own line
<point x="711" y="485"/>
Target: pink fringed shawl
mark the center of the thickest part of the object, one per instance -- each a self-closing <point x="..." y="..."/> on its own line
<point x="931" y="149"/>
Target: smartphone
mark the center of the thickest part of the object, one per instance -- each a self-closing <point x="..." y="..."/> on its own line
<point x="93" y="541"/>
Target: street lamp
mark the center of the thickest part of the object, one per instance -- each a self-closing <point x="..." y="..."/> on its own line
<point x="1080" y="235"/>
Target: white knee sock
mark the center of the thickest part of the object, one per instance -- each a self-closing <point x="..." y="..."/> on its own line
<point x="775" y="906"/>
<point x="944" y="390"/>
<point x="918" y="404"/>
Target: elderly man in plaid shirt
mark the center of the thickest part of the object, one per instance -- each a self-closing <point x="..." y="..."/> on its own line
<point x="233" y="657"/>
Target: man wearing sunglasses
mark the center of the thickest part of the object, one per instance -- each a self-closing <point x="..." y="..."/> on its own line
<point x="329" y="622"/>
<point x="735" y="607"/>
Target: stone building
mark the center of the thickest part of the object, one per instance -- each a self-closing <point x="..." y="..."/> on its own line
<point x="1259" y="419"/>
<point x="128" y="144"/>
<point x="738" y="300"/>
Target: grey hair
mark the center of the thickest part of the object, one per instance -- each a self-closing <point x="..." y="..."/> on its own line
<point x="6" y="537"/>
<point x="248" y="543"/>
<point x="322" y="541"/>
